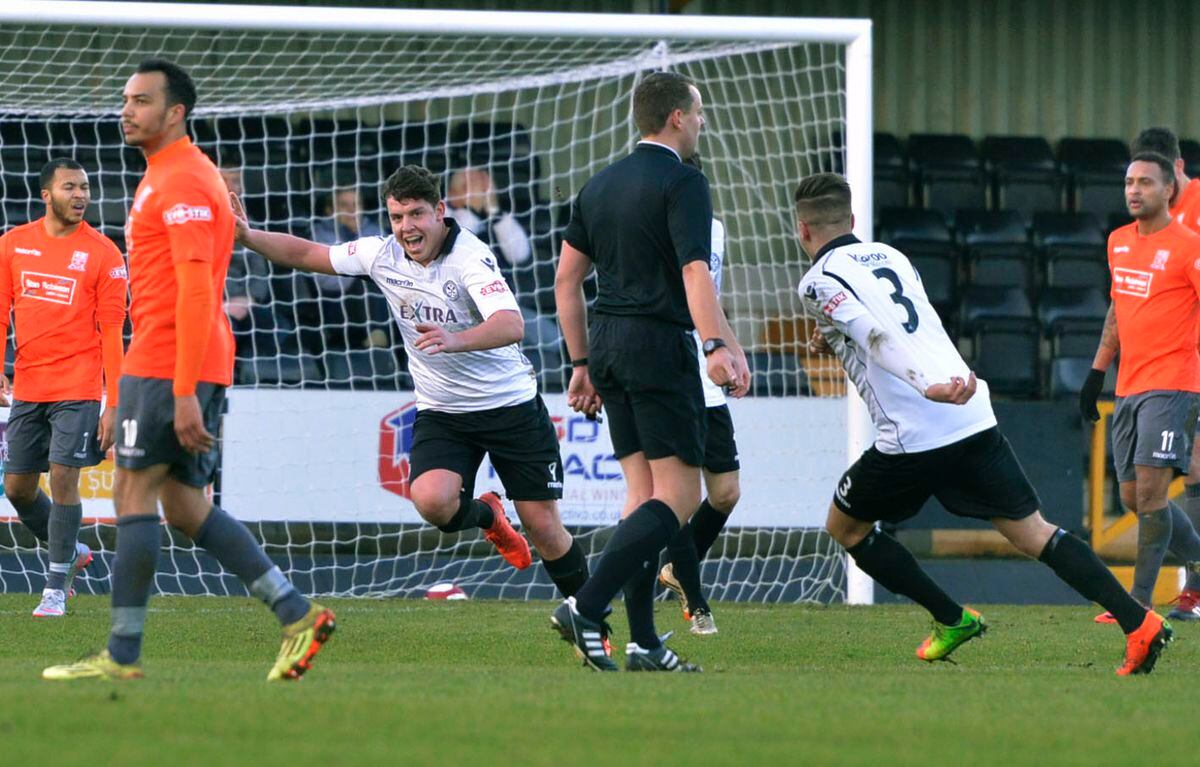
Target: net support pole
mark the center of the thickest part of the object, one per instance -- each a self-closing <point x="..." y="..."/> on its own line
<point x="860" y="588"/>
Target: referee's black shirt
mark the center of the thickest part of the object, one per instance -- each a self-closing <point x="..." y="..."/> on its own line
<point x="640" y="221"/>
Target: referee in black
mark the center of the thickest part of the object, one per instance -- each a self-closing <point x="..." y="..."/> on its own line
<point x="645" y="224"/>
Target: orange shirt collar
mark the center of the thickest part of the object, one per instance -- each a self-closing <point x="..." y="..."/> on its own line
<point x="170" y="151"/>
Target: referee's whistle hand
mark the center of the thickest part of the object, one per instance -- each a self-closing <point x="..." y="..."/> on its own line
<point x="723" y="368"/>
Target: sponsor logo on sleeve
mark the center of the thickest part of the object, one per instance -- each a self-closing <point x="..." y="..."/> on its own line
<point x="492" y="288"/>
<point x="1132" y="282"/>
<point x="48" y="287"/>
<point x="450" y="288"/>
<point x="833" y="303"/>
<point x="119" y="273"/>
<point x="351" y="248"/>
<point x="78" y="261"/>
<point x="182" y="214"/>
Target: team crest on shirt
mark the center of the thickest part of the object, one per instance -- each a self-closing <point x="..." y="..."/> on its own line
<point x="450" y="288"/>
<point x="78" y="261"/>
<point x="1160" y="260"/>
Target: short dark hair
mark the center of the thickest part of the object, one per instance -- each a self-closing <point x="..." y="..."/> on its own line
<point x="180" y="88"/>
<point x="413" y="182"/>
<point x="1165" y="165"/>
<point x="657" y="96"/>
<point x="46" y="177"/>
<point x="823" y="199"/>
<point x="1159" y="140"/>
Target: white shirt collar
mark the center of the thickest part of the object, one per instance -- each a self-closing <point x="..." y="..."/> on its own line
<point x="664" y="146"/>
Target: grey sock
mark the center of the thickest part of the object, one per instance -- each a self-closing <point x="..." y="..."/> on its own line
<point x="1185" y="544"/>
<point x="1154" y="535"/>
<point x="1191" y="505"/>
<point x="138" y="541"/>
<point x="63" y="533"/>
<point x="234" y="547"/>
<point x="36" y="516"/>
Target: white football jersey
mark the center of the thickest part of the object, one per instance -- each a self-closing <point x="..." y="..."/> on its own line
<point x="714" y="396"/>
<point x="851" y="279"/>
<point x="458" y="290"/>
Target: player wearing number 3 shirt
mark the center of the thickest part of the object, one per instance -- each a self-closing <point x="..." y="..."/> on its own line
<point x="937" y="435"/>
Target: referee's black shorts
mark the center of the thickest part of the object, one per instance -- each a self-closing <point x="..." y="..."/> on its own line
<point x="648" y="375"/>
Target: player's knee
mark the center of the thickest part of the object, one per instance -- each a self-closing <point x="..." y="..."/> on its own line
<point x="64" y="484"/>
<point x="19" y="491"/>
<point x="435" y="507"/>
<point x="724" y="497"/>
<point x="1149" y="499"/>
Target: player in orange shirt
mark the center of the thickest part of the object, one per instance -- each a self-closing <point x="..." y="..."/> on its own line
<point x="65" y="282"/>
<point x="1155" y="265"/>
<point x="180" y="239"/>
<point x="1185" y="209"/>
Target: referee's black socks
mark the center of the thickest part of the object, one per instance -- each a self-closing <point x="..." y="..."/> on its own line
<point x="570" y="571"/>
<point x="1078" y="566"/>
<point x="882" y="557"/>
<point x="638" y="539"/>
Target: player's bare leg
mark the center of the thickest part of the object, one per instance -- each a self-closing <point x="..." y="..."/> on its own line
<point x="438" y="496"/>
<point x="1078" y="566"/>
<point x="562" y="556"/>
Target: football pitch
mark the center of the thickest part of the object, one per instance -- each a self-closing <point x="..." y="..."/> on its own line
<point x="481" y="683"/>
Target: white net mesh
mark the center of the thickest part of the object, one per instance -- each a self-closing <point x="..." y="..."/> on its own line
<point x="309" y="124"/>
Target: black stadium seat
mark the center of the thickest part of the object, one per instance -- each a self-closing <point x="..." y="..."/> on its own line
<point x="892" y="181"/>
<point x="1095" y="170"/>
<point x="1023" y="173"/>
<point x="995" y="247"/>
<point x="948" y="171"/>
<point x="1072" y="248"/>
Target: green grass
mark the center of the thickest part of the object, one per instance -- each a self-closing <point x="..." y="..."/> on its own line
<point x="482" y="683"/>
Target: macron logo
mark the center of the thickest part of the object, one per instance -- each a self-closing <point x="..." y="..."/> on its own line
<point x="1121" y="249"/>
<point x="27" y="251"/>
<point x="181" y="214"/>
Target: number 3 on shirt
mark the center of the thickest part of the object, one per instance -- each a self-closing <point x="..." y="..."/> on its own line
<point x="883" y="273"/>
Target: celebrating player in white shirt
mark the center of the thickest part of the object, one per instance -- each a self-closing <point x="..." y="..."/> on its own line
<point x="476" y="391"/>
<point x="937" y="435"/>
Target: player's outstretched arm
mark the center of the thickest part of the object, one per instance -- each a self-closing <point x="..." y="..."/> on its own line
<point x="280" y="248"/>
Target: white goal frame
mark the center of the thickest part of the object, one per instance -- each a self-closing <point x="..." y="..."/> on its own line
<point x="855" y="34"/>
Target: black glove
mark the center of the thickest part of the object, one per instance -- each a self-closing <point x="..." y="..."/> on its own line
<point x="1089" y="393"/>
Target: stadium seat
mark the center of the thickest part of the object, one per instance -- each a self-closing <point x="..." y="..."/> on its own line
<point x="892" y="181"/>
<point x="949" y="174"/>
<point x="1023" y="174"/>
<point x="1190" y="151"/>
<point x="1067" y="375"/>
<point x="281" y="371"/>
<point x="426" y="144"/>
<point x="360" y="369"/>
<point x="775" y="374"/>
<point x="995" y="247"/>
<point x="1072" y="319"/>
<point x="986" y="304"/>
<point x="1095" y="170"/>
<point x="1072" y="248"/>
<point x="1006" y="356"/>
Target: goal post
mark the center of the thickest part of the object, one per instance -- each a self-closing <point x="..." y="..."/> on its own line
<point x="305" y="104"/>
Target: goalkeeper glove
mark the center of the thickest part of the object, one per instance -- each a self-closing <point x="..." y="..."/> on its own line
<point x="1089" y="393"/>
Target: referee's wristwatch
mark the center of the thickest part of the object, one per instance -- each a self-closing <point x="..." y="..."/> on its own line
<point x="711" y="345"/>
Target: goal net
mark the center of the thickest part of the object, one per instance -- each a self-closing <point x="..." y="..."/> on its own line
<point x="307" y="110"/>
